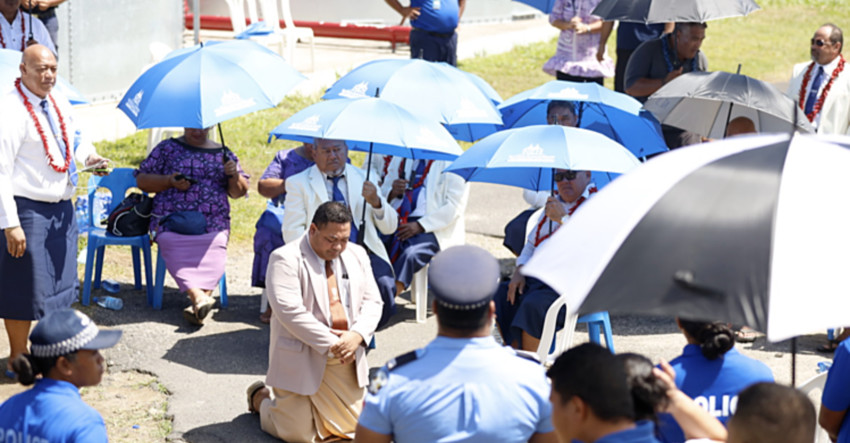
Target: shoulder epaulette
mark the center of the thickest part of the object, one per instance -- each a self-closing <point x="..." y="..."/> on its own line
<point x="401" y="360"/>
<point x="381" y="377"/>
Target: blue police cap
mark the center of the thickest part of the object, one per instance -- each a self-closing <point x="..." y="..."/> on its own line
<point x="64" y="331"/>
<point x="463" y="277"/>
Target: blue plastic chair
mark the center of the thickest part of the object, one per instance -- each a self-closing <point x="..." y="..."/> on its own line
<point x="118" y="182"/>
<point x="597" y="324"/>
<point x="159" y="284"/>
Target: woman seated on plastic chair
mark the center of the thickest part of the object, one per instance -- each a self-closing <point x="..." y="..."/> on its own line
<point x="712" y="372"/>
<point x="192" y="177"/>
<point x="269" y="234"/>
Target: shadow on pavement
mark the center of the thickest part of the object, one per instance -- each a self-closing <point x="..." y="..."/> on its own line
<point x="236" y="352"/>
<point x="244" y="428"/>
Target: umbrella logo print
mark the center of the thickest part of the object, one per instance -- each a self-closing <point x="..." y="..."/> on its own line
<point x="426" y="137"/>
<point x="309" y="124"/>
<point x="468" y="109"/>
<point x="531" y="154"/>
<point x="358" y="91"/>
<point x="133" y="104"/>
<point x="568" y="94"/>
<point x="232" y="102"/>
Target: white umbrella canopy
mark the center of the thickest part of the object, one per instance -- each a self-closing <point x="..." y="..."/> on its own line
<point x="738" y="230"/>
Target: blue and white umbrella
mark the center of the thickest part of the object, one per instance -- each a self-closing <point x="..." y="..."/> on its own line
<point x="370" y="124"/>
<point x="525" y="157"/>
<point x="544" y="6"/>
<point x="209" y="83"/>
<point x="599" y="109"/>
<point x="10" y="62"/>
<point x="436" y="91"/>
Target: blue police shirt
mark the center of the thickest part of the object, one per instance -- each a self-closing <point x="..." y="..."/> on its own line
<point x="461" y="390"/>
<point x="51" y="411"/>
<point x="713" y="384"/>
<point x="836" y="392"/>
<point x="436" y="15"/>
<point x="643" y="432"/>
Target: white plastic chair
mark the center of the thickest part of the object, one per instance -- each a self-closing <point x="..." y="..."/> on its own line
<point x="237" y="21"/>
<point x="293" y="34"/>
<point x="813" y="388"/>
<point x="419" y="294"/>
<point x="550" y="332"/>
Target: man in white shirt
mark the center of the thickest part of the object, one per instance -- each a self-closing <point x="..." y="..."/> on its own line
<point x="430" y="207"/>
<point x="822" y="87"/>
<point x="38" y="147"/>
<point x="332" y="179"/>
<point x="16" y="27"/>
<point x="521" y="305"/>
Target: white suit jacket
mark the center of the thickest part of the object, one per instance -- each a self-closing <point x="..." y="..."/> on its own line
<point x="301" y="323"/>
<point x="447" y="195"/>
<point x="307" y="190"/>
<point x="835" y="114"/>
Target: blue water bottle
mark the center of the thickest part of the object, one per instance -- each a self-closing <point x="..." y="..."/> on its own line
<point x="108" y="302"/>
<point x="81" y="212"/>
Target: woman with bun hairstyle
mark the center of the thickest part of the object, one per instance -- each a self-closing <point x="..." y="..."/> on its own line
<point x="712" y="372"/>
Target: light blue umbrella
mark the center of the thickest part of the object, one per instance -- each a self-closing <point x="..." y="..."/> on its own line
<point x="10" y="62"/>
<point x="209" y="83"/>
<point x="525" y="157"/>
<point x="599" y="109"/>
<point x="370" y="125"/>
<point x="436" y="91"/>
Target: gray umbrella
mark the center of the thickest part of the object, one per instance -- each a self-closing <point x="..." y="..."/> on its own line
<point x="663" y="11"/>
<point x="700" y="102"/>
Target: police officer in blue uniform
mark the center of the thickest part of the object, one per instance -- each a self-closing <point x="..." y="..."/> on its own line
<point x="64" y="350"/>
<point x="433" y="37"/>
<point x="463" y="386"/>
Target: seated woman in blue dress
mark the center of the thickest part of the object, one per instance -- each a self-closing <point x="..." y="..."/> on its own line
<point x="712" y="372"/>
<point x="269" y="234"/>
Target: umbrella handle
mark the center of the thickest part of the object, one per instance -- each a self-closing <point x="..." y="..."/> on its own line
<point x="361" y="235"/>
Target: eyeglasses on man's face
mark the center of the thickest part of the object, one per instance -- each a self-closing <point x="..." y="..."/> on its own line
<point x="819" y="42"/>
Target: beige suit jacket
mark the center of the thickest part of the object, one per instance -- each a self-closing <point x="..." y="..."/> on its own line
<point x="835" y="114"/>
<point x="301" y="322"/>
<point x="306" y="191"/>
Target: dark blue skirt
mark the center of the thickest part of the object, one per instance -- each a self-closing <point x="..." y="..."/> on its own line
<point x="45" y="278"/>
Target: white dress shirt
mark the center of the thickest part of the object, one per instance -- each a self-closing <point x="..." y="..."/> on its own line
<point x="24" y="168"/>
<point x="12" y="32"/>
<point x="342" y="184"/>
<point x="827" y="74"/>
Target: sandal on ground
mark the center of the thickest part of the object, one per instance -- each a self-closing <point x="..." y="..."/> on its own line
<point x="252" y="391"/>
<point x="195" y="314"/>
<point x="829" y="347"/>
<point x="747" y="335"/>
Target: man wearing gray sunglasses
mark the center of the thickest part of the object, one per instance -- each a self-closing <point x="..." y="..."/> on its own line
<point x="822" y="87"/>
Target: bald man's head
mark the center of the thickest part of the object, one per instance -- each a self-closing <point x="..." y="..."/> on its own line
<point x="38" y="70"/>
<point x="740" y="125"/>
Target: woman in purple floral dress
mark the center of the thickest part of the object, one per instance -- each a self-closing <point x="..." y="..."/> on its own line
<point x="192" y="173"/>
<point x="580" y="56"/>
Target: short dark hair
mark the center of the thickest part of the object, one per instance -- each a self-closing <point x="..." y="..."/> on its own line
<point x="462" y="321"/>
<point x="591" y="373"/>
<point x="27" y="367"/>
<point x="714" y="338"/>
<point x="331" y="212"/>
<point x="649" y="393"/>
<point x="836" y="36"/>
<point x="768" y="412"/>
<point x="681" y="25"/>
<point x="565" y="104"/>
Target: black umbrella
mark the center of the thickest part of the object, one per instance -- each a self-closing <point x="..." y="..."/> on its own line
<point x="750" y="230"/>
<point x="703" y="102"/>
<point x="663" y="11"/>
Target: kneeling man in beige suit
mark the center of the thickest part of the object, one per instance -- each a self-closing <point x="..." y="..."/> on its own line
<point x="325" y="307"/>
